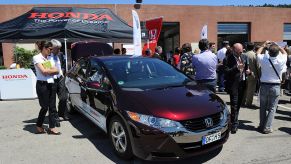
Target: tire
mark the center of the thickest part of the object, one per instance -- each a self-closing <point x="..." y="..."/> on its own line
<point x="119" y="138"/>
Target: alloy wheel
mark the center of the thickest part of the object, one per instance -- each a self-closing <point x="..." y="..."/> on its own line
<point x="118" y="137"/>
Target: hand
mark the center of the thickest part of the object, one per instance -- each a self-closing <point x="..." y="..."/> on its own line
<point x="248" y="72"/>
<point x="240" y="66"/>
<point x="267" y="43"/>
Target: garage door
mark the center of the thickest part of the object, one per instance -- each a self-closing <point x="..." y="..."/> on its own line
<point x="287" y="31"/>
<point x="232" y="28"/>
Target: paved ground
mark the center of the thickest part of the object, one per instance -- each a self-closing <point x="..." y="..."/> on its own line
<point x="82" y="142"/>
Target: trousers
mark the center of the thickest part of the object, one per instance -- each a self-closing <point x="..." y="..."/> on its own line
<point x="62" y="95"/>
<point x="46" y="93"/>
<point x="269" y="98"/>
<point x="236" y="96"/>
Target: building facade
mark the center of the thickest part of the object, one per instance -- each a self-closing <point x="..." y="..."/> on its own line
<point x="183" y="24"/>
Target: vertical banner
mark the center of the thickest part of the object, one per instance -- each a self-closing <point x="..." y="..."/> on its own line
<point x="203" y="34"/>
<point x="136" y="34"/>
<point x="154" y="27"/>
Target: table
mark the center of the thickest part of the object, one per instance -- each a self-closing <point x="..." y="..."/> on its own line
<point x="17" y="84"/>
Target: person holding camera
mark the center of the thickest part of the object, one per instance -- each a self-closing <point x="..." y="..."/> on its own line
<point x="272" y="65"/>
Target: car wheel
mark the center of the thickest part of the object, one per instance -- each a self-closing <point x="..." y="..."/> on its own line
<point x="119" y="138"/>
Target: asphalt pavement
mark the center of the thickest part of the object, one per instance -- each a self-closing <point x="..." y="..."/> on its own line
<point x="82" y="142"/>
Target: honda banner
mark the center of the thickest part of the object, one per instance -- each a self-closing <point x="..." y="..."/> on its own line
<point x="154" y="27"/>
<point x="203" y="34"/>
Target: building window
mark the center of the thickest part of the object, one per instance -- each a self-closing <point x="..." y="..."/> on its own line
<point x="233" y="32"/>
<point x="287" y="33"/>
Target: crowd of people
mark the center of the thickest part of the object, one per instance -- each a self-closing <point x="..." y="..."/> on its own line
<point x="240" y="70"/>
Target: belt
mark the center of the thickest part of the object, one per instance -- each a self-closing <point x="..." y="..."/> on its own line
<point x="262" y="83"/>
<point x="60" y="77"/>
<point x="42" y="82"/>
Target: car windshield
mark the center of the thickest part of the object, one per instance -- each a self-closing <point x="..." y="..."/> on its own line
<point x="145" y="73"/>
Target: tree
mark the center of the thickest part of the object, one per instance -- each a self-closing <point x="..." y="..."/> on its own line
<point x="23" y="57"/>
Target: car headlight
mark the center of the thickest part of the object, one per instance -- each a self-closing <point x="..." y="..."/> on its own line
<point x="225" y="112"/>
<point x="152" y="121"/>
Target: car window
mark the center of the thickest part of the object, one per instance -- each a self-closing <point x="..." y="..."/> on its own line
<point x="97" y="74"/>
<point x="144" y="73"/>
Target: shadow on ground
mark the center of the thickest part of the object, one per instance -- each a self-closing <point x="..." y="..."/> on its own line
<point x="288" y="113"/>
<point x="285" y="129"/>
<point x="193" y="160"/>
<point x="95" y="135"/>
<point x="283" y="118"/>
<point x="243" y="124"/>
<point x="30" y="125"/>
<point x="284" y="102"/>
<point x="101" y="141"/>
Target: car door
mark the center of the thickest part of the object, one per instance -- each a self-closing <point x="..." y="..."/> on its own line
<point x="99" y="91"/>
<point x="94" y="84"/>
<point x="75" y="82"/>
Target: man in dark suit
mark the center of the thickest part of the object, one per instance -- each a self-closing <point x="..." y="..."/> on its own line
<point x="236" y="71"/>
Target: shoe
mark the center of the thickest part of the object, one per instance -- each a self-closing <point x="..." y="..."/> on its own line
<point x="58" y="124"/>
<point x="53" y="133"/>
<point x="267" y="131"/>
<point x="65" y="118"/>
<point x="40" y="130"/>
<point x="233" y="130"/>
<point x="252" y="107"/>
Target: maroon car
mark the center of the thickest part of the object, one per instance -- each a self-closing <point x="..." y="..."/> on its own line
<point x="148" y="108"/>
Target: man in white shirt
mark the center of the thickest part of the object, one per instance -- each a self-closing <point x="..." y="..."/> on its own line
<point x="220" y="73"/>
<point x="59" y="79"/>
<point x="272" y="66"/>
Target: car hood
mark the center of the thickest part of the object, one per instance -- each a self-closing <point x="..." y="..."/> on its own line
<point x="178" y="103"/>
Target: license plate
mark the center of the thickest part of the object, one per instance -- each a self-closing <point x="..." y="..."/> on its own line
<point x="211" y="138"/>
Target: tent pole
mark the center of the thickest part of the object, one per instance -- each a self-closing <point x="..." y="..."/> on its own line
<point x="66" y="54"/>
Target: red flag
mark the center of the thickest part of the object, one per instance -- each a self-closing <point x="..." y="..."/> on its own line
<point x="154" y="27"/>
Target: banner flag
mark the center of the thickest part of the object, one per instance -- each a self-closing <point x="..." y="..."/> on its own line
<point x="203" y="34"/>
<point x="136" y="34"/>
<point x="154" y="27"/>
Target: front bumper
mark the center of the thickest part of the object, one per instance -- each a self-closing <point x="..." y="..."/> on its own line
<point x="152" y="144"/>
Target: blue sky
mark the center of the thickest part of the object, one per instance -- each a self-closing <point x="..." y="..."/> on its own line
<point x="169" y="2"/>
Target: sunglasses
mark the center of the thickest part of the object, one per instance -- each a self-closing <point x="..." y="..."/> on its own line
<point x="50" y="48"/>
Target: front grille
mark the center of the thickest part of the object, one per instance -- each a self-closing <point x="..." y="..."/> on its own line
<point x="199" y="123"/>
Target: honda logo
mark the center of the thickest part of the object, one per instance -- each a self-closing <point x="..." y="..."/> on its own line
<point x="153" y="34"/>
<point x="208" y="122"/>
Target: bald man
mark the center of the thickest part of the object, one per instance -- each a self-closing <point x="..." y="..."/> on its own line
<point x="236" y="71"/>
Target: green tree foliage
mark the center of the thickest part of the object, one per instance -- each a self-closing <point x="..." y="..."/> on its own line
<point x="271" y="5"/>
<point x="23" y="57"/>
